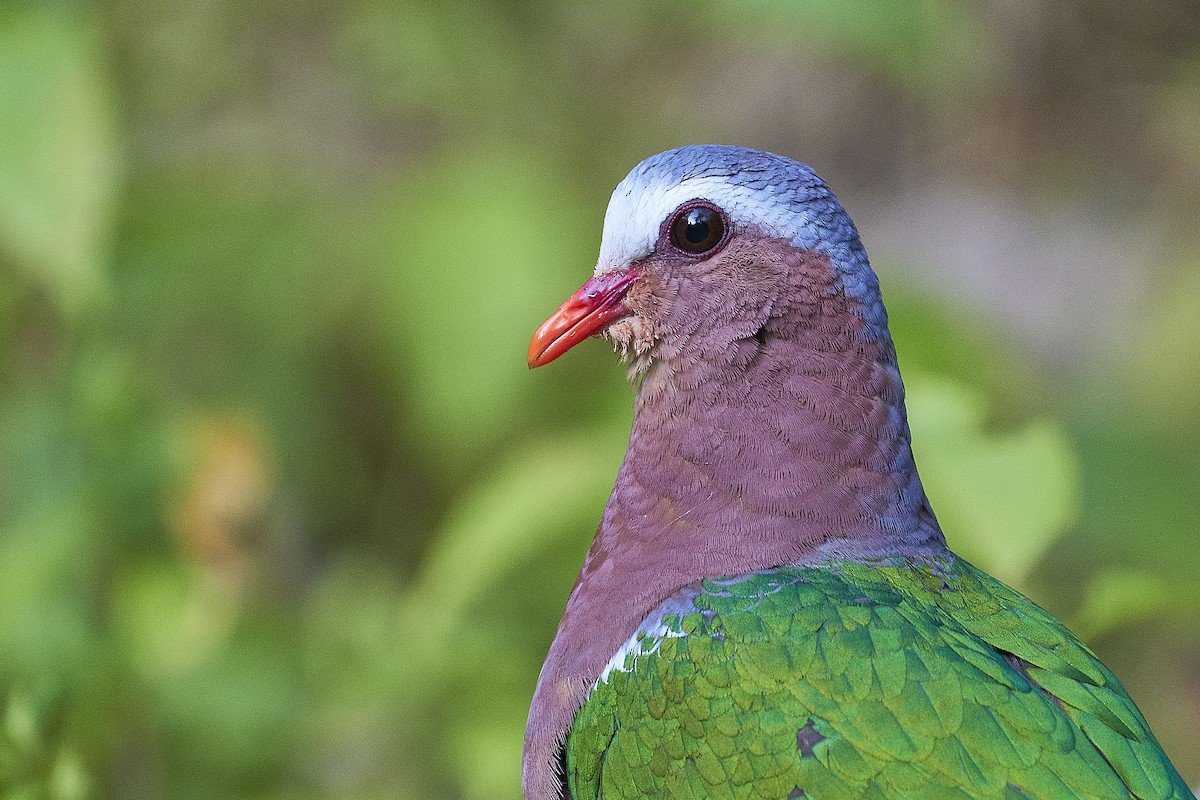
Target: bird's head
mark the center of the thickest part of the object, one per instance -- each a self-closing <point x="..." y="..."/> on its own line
<point x="703" y="247"/>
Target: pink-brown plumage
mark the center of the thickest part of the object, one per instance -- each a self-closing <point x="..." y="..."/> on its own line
<point x="769" y="425"/>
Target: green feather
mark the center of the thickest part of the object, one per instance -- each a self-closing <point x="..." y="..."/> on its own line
<point x="900" y="679"/>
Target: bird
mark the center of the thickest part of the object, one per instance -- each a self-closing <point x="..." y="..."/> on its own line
<point x="769" y="609"/>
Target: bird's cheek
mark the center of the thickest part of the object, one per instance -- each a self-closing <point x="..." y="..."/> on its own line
<point x="632" y="336"/>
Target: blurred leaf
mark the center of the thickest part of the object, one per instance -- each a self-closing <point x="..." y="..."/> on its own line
<point x="1118" y="597"/>
<point x="34" y="761"/>
<point x="517" y="512"/>
<point x="1140" y="484"/>
<point x="44" y="629"/>
<point x="442" y="669"/>
<point x="59" y="157"/>
<point x="47" y="544"/>
<point x="491" y="754"/>
<point x="233" y="720"/>
<point x="550" y="492"/>
<point x="1002" y="497"/>
<point x="475" y="250"/>
<point x="927" y="46"/>
<point x="937" y="334"/>
<point x="454" y="59"/>
<point x="171" y="621"/>
<point x="1164" y="371"/>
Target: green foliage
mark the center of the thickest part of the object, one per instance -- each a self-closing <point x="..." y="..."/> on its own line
<point x="58" y="177"/>
<point x="282" y="512"/>
<point x="1002" y="499"/>
<point x="928" y="46"/>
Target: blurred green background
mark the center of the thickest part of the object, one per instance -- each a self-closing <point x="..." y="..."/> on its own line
<point x="282" y="512"/>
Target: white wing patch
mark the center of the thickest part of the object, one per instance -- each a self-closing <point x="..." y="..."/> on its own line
<point x="650" y="635"/>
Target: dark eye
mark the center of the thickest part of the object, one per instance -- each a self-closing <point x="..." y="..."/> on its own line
<point x="697" y="229"/>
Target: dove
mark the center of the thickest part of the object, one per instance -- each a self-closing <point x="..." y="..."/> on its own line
<point x="769" y="609"/>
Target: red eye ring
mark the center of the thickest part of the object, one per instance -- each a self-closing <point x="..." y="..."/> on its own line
<point x="696" y="228"/>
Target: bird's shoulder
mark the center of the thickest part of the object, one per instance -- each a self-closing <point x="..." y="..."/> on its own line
<point x="905" y="677"/>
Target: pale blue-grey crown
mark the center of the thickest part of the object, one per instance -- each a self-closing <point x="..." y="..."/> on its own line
<point x="759" y="191"/>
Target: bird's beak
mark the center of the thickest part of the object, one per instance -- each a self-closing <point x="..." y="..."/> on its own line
<point x="593" y="308"/>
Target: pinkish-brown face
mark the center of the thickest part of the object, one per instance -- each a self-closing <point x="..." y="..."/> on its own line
<point x="620" y="303"/>
<point x="632" y="305"/>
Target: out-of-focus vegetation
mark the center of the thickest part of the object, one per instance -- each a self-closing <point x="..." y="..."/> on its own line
<point x="282" y="513"/>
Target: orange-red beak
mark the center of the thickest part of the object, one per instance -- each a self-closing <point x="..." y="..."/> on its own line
<point x="593" y="308"/>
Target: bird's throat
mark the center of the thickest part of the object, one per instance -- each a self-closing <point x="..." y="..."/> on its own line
<point x="738" y="466"/>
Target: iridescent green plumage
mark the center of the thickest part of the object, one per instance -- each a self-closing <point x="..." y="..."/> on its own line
<point x="910" y="678"/>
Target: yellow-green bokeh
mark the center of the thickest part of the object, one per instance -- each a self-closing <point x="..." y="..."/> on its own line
<point x="282" y="512"/>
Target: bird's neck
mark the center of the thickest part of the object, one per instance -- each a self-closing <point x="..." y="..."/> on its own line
<point x="807" y="446"/>
<point x="757" y="443"/>
<point x="755" y="451"/>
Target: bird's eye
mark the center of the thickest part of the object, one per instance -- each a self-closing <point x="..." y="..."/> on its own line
<point x="697" y="230"/>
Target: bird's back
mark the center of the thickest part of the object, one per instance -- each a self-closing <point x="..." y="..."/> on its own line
<point x="913" y="678"/>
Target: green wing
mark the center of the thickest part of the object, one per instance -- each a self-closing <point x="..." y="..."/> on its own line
<point x="913" y="679"/>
